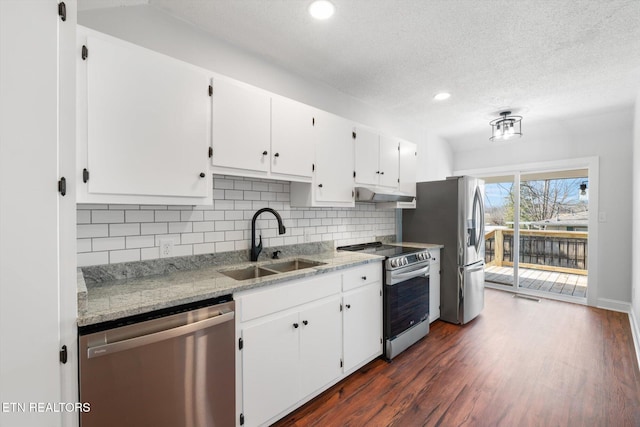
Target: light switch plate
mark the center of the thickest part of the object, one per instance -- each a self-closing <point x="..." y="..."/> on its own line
<point x="602" y="217"/>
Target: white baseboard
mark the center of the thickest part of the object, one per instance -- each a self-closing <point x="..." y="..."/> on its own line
<point x="614" y="305"/>
<point x="635" y="332"/>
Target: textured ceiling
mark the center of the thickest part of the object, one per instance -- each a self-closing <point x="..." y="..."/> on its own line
<point x="539" y="58"/>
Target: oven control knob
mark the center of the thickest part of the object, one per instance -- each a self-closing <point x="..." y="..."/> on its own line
<point x="404" y="261"/>
<point x="394" y="263"/>
<point x="421" y="256"/>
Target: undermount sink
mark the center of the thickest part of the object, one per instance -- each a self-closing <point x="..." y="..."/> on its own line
<point x="294" y="264"/>
<point x="248" y="273"/>
<point x="255" y="272"/>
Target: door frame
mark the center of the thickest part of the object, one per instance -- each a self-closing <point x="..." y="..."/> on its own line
<point x="589" y="163"/>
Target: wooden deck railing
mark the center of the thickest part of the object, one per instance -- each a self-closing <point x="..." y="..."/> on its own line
<point x="563" y="251"/>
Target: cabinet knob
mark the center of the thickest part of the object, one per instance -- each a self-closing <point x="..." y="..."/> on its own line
<point x="348" y="306"/>
<point x="276" y="155"/>
<point x="378" y="172"/>
<point x="295" y="325"/>
<point x="381" y="173"/>
<point x="364" y="277"/>
<point x="320" y="185"/>
<point x="202" y="175"/>
<point x="264" y="153"/>
<point x="305" y="322"/>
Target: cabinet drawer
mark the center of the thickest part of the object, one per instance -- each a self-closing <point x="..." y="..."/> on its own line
<point x="272" y="299"/>
<point x="362" y="275"/>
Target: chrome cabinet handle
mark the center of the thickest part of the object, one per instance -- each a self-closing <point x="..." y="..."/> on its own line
<point x="295" y="325"/>
<point x="105" y="349"/>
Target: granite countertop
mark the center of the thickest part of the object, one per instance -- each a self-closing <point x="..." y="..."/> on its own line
<point x="115" y="299"/>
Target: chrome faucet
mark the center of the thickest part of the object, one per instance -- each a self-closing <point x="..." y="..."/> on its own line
<point x="255" y="250"/>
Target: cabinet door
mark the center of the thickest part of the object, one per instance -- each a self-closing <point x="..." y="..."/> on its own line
<point x="408" y="167"/>
<point x="320" y="345"/>
<point x="362" y="316"/>
<point x="366" y="157"/>
<point x="241" y="127"/>
<point x="147" y="122"/>
<point x="434" y="285"/>
<point x="292" y="133"/>
<point x="333" y="178"/>
<point x="270" y="368"/>
<point x="389" y="162"/>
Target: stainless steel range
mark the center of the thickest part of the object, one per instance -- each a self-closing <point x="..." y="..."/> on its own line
<point x="406" y="294"/>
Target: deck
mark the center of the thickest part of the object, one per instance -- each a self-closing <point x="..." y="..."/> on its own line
<point x="546" y="281"/>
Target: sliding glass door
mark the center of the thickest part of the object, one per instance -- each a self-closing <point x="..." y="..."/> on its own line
<point x="499" y="225"/>
<point x="537" y="236"/>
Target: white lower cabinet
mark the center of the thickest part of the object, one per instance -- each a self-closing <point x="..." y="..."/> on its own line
<point x="362" y="313"/>
<point x="291" y="343"/>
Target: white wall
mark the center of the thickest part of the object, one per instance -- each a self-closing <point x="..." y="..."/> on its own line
<point x="435" y="159"/>
<point x="606" y="135"/>
<point x="156" y="30"/>
<point x="635" y="236"/>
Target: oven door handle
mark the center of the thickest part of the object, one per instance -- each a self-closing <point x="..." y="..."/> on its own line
<point x="415" y="273"/>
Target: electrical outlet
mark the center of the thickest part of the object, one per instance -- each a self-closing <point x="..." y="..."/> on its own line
<point x="166" y="248"/>
<point x="602" y="217"/>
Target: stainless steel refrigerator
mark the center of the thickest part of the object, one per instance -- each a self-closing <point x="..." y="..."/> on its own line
<point x="451" y="213"/>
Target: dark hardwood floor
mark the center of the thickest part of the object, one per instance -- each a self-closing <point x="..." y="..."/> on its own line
<point x="520" y="363"/>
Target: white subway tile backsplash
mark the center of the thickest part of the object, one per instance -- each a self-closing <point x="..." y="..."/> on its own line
<point x="213" y="215"/>
<point x="107" y="217"/>
<point x="127" y="255"/>
<point x="140" y="241"/>
<point x="167" y="216"/>
<point x="139" y="216"/>
<point x="93" y="230"/>
<point x="199" y="227"/>
<point x="93" y="258"/>
<point x="83" y="245"/>
<point x="191" y="216"/>
<point x="120" y="233"/>
<point x="108" y="243"/>
<point x="180" y="227"/>
<point x="225" y="246"/>
<point x="149" y="253"/>
<point x="154" y="228"/>
<point x="84" y="217"/>
<point x="191" y="238"/>
<point x="124" y="229"/>
<point x="204" y="248"/>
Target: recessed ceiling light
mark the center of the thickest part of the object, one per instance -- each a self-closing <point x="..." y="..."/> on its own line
<point x="442" y="96"/>
<point x="322" y="9"/>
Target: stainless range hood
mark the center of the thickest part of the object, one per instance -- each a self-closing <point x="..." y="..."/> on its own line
<point x="375" y="195"/>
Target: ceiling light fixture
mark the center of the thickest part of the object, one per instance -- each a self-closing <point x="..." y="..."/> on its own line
<point x="442" y="96"/>
<point x="506" y="127"/>
<point x="322" y="9"/>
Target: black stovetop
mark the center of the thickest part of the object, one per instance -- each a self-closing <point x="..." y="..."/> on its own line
<point x="379" y="248"/>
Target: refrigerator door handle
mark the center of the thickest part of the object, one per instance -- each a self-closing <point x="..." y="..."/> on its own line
<point x="474" y="267"/>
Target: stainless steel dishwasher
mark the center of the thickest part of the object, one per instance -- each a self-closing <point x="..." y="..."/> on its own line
<point x="173" y="368"/>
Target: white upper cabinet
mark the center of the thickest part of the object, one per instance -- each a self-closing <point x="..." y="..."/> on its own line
<point x="292" y="133"/>
<point x="376" y="159"/>
<point x="334" y="159"/>
<point x="366" y="156"/>
<point x="408" y="170"/>
<point x="332" y="183"/>
<point x="258" y="134"/>
<point x="241" y="128"/>
<point x="143" y="125"/>
<point x="389" y="161"/>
